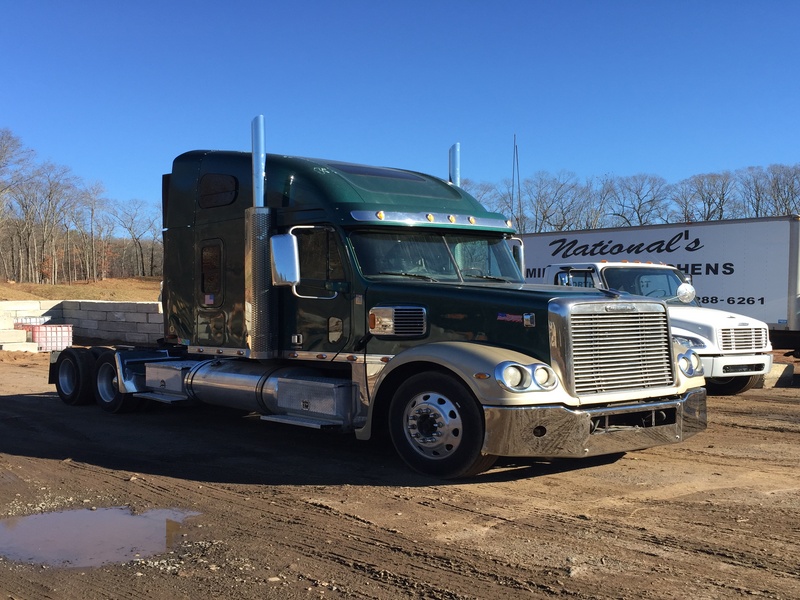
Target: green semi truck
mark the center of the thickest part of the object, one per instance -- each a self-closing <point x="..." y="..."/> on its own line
<point x="383" y="302"/>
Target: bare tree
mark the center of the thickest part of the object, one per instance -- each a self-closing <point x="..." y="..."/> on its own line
<point x="15" y="161"/>
<point x="754" y="193"/>
<point x="784" y="189"/>
<point x="639" y="200"/>
<point x="16" y="164"/>
<point x="593" y="214"/>
<point x="85" y="219"/>
<point x="59" y="195"/>
<point x="137" y="218"/>
<point x="713" y="195"/>
<point x="682" y="201"/>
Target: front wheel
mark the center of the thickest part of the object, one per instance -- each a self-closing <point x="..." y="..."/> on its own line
<point x="730" y="386"/>
<point x="437" y="427"/>
<point x="106" y="390"/>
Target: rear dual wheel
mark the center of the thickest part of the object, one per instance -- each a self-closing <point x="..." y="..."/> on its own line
<point x="106" y="389"/>
<point x="74" y="372"/>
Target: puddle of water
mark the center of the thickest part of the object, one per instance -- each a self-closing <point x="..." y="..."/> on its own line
<point x="90" y="538"/>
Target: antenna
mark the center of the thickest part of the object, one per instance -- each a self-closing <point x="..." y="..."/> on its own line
<point x="515" y="185"/>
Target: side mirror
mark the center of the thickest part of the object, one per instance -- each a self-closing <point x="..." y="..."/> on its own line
<point x="685" y="293"/>
<point x="285" y="259"/>
<point x="518" y="252"/>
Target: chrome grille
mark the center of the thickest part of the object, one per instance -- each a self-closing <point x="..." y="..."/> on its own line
<point x="743" y="338"/>
<point x="614" y="351"/>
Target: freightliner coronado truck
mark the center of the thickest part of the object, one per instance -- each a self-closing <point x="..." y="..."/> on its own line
<point x="735" y="350"/>
<point x="385" y="302"/>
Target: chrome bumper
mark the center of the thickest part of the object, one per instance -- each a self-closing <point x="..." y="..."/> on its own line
<point x="557" y="431"/>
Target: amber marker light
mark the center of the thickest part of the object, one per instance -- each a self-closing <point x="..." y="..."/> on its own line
<point x="482" y="376"/>
<point x="451" y="218"/>
<point x="471" y="220"/>
<point x="429" y="216"/>
<point x="381" y="215"/>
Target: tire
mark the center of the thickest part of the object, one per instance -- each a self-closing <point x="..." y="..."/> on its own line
<point x="74" y="376"/>
<point x="106" y="389"/>
<point x="730" y="386"/>
<point x="437" y="427"/>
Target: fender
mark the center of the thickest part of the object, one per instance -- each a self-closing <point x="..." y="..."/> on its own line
<point x="474" y="364"/>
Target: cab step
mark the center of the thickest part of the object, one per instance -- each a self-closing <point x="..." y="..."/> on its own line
<point x="313" y="423"/>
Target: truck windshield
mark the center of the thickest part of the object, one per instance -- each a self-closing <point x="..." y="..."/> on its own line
<point x="435" y="256"/>
<point x="643" y="281"/>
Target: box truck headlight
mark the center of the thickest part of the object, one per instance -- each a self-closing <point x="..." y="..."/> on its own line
<point x="688" y="341"/>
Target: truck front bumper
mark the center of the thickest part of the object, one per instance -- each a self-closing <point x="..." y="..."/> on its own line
<point x="734" y="366"/>
<point x="558" y="431"/>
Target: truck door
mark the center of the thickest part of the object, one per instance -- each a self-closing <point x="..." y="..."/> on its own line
<point x="318" y="317"/>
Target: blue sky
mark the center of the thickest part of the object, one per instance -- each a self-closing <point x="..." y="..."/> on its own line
<point x="115" y="90"/>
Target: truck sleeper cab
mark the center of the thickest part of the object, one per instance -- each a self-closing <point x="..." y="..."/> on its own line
<point x="384" y="302"/>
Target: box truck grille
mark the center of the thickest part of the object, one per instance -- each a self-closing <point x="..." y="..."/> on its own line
<point x="744" y="338"/>
<point x="614" y="352"/>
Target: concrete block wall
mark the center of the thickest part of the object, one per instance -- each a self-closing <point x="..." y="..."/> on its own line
<point x="112" y="322"/>
<point x="20" y="309"/>
<point x="30" y="311"/>
<point x="120" y="322"/>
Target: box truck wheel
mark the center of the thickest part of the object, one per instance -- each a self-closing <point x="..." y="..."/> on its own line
<point x="437" y="427"/>
<point x="106" y="390"/>
<point x="74" y="376"/>
<point x="730" y="386"/>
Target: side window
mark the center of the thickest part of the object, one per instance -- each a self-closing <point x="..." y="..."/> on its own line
<point x="211" y="273"/>
<point x="574" y="278"/>
<point x="320" y="261"/>
<point x="217" y="189"/>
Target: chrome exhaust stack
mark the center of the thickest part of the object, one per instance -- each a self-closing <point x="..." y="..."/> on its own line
<point x="258" y="285"/>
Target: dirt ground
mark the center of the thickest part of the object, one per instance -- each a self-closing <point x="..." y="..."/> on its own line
<point x="274" y="511"/>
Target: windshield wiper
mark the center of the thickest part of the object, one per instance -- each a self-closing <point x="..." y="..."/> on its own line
<point x="404" y="274"/>
<point x="490" y="277"/>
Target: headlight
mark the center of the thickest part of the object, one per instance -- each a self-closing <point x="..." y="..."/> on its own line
<point x="545" y="377"/>
<point x="689" y="342"/>
<point x="516" y="376"/>
<point x="525" y="378"/>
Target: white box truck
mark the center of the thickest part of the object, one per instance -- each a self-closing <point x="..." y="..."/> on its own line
<point x="750" y="266"/>
<point x="735" y="349"/>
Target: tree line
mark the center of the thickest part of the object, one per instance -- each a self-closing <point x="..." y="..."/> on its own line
<point x="57" y="228"/>
<point x="562" y="202"/>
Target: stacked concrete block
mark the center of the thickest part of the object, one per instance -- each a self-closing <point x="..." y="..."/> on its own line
<point x="116" y="322"/>
<point x="11" y="338"/>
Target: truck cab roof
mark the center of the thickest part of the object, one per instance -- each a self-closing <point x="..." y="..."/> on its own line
<point x="317" y="189"/>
